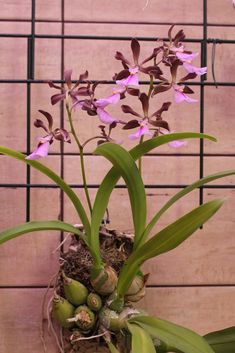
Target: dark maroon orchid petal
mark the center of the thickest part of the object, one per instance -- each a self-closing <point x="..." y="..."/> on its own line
<point x="170" y="31"/>
<point x="188" y="90"/>
<point x="145" y="103"/>
<point x="81" y="91"/>
<point x="40" y="123"/>
<point x="163" y="108"/>
<point x="135" y="47"/>
<point x="61" y="135"/>
<point x="57" y="98"/>
<point x="152" y="70"/>
<point x="112" y="126"/>
<point x="52" y="85"/>
<point x="179" y="37"/>
<point x="160" y="88"/>
<point x="121" y="57"/>
<point x="122" y="74"/>
<point x="128" y="110"/>
<point x="154" y="54"/>
<point x="174" y="67"/>
<point x="160" y="123"/>
<point x="87" y="104"/>
<point x="83" y="76"/>
<point x="48" y="117"/>
<point x="133" y="91"/>
<point x="190" y="76"/>
<point x="131" y="124"/>
<point x="89" y="107"/>
<point x="67" y="77"/>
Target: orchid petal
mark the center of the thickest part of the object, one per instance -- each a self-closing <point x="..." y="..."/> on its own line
<point x="57" y="98"/>
<point x="143" y="130"/>
<point x="193" y="69"/>
<point x="189" y="100"/>
<point x="134" y="71"/>
<point x="67" y="77"/>
<point x="131" y="80"/>
<point x="105" y="117"/>
<point x="103" y="102"/>
<point x="177" y="143"/>
<point x="76" y="102"/>
<point x="179" y="49"/>
<point x="179" y="97"/>
<point x="186" y="57"/>
<point x="41" y="151"/>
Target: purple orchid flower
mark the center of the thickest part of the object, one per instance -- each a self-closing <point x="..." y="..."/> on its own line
<point x="142" y="122"/>
<point x="101" y="103"/>
<point x="129" y="76"/>
<point x="131" y="80"/>
<point x="42" y="148"/>
<point x="72" y="90"/>
<point x="186" y="58"/>
<point x="180" y="94"/>
<point x="45" y="141"/>
<point x="141" y="131"/>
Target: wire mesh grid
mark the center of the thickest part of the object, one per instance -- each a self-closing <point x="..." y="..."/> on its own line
<point x="30" y="80"/>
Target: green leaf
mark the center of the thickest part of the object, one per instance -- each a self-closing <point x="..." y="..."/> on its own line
<point x="141" y="341"/>
<point x="182" y="193"/>
<point x="124" y="163"/>
<point x="176" y="337"/>
<point x="56" y="178"/>
<point x="222" y="341"/>
<point x="112" y="348"/>
<point x="167" y="239"/>
<point x="149" y="145"/>
<point x="112" y="177"/>
<point x="35" y="226"/>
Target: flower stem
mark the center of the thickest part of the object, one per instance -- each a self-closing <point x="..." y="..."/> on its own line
<point x="142" y="137"/>
<point x="80" y="147"/>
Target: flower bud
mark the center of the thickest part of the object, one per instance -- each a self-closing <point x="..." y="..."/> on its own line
<point x="94" y="302"/>
<point x="104" y="282"/>
<point x="62" y="310"/>
<point x="74" y="291"/>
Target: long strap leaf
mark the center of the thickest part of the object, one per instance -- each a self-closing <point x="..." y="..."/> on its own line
<point x="175" y="336"/>
<point x="113" y="175"/>
<point x="141" y="341"/>
<point x="35" y="226"/>
<point x="124" y="163"/>
<point x="112" y="348"/>
<point x="56" y="178"/>
<point x="179" y="195"/>
<point x="166" y="240"/>
<point x="222" y="341"/>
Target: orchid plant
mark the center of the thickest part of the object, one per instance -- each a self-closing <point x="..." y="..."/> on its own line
<point x="102" y="307"/>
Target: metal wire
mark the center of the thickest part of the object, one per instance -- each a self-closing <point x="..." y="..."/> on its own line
<point x="30" y="80"/>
